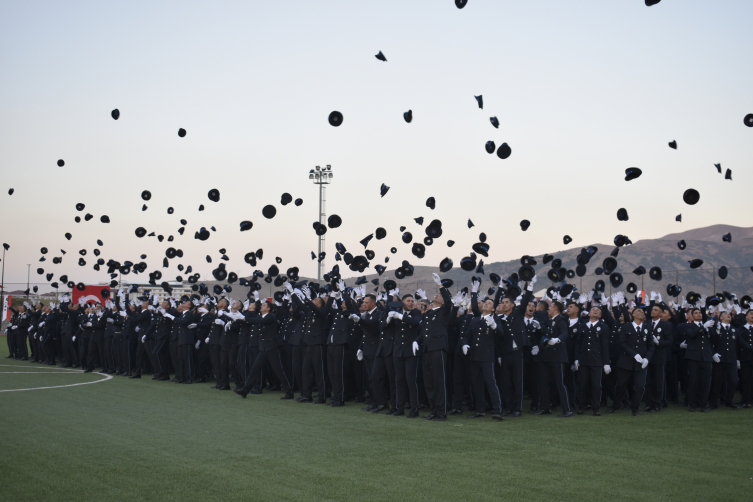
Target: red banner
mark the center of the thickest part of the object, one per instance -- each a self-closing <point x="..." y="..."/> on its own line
<point x="92" y="294"/>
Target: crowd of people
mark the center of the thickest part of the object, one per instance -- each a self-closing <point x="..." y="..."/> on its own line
<point x="470" y="353"/>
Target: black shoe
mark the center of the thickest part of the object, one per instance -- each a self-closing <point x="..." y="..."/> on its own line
<point x="412" y="415"/>
<point x="379" y="408"/>
<point x="87" y="370"/>
<point x="533" y="409"/>
<point x="734" y="406"/>
<point x="136" y="376"/>
<point x="320" y="402"/>
<point x="187" y="382"/>
<point x="543" y="412"/>
<point x="438" y="419"/>
<point x="596" y="413"/>
<point x="691" y="409"/>
<point x="155" y="377"/>
<point x="429" y="417"/>
<point x="369" y="407"/>
<point x="398" y="413"/>
<point x="580" y="411"/>
<point x="636" y="413"/>
<point x="288" y="395"/>
<point x="254" y="391"/>
<point x="497" y="416"/>
<point x="612" y="409"/>
<point x="506" y="413"/>
<point x="302" y="399"/>
<point x="337" y="404"/>
<point x="705" y="409"/>
<point x="164" y="378"/>
<point x="359" y="400"/>
<point x="654" y="410"/>
<point x="240" y="393"/>
<point x="565" y="414"/>
<point x="648" y="408"/>
<point x="514" y="414"/>
<point x="477" y="415"/>
<point x="455" y="411"/>
<point x="226" y="387"/>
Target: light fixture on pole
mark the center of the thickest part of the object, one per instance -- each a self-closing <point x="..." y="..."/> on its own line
<point x="321" y="176"/>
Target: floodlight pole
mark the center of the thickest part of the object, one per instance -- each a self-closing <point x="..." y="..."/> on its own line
<point x="321" y="176"/>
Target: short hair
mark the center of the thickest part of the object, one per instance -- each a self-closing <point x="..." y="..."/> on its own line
<point x="371" y="297"/>
<point x="545" y="303"/>
<point x="272" y="307"/>
<point x="693" y="310"/>
<point x="407" y="296"/>
<point x="560" y="307"/>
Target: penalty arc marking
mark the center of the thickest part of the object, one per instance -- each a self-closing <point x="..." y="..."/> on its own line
<point x="69" y="372"/>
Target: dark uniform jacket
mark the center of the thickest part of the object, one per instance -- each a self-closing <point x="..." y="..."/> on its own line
<point x="699" y="342"/>
<point x="557" y="353"/>
<point x="370" y="323"/>
<point x="745" y="338"/>
<point x="433" y="334"/>
<point x="592" y="344"/>
<point x="406" y="331"/>
<point x="339" y="330"/>
<point x="635" y="341"/>
<point x="664" y="332"/>
<point x="268" y="339"/>
<point x="725" y="341"/>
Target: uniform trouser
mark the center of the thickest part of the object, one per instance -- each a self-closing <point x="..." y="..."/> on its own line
<point x="187" y="366"/>
<point x="69" y="350"/>
<point x="241" y="364"/>
<point x="655" y="385"/>
<point x="110" y="360"/>
<point x="202" y="357"/>
<point x="175" y="359"/>
<point x="286" y="351"/>
<point x="571" y="384"/>
<point x="48" y="347"/>
<point x="96" y="348"/>
<point x="228" y="358"/>
<point x="512" y="380"/>
<point x="699" y="383"/>
<point x="483" y="378"/>
<point x="336" y="370"/>
<point x="548" y="372"/>
<point x="353" y="374"/>
<point x="159" y="357"/>
<point x="434" y="369"/>
<point x="721" y="373"/>
<point x="252" y="353"/>
<point x="383" y="377"/>
<point x="20" y="336"/>
<point x="746" y="381"/>
<point x="461" y="381"/>
<point x="639" y="386"/>
<point x="272" y="357"/>
<point x="83" y="350"/>
<point x="313" y="369"/>
<point x="12" y="346"/>
<point x="117" y="353"/>
<point x="589" y="386"/>
<point x="670" y="379"/>
<point x="125" y="354"/>
<point x="368" y="378"/>
<point x="406" y="382"/>
<point x="214" y="351"/>
<point x="683" y="373"/>
<point x="298" y="353"/>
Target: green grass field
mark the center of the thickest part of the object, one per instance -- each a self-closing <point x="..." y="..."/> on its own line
<point x="124" y="439"/>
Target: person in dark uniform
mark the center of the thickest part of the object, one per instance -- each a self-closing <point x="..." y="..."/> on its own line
<point x="725" y="339"/>
<point x="269" y="350"/>
<point x="662" y="335"/>
<point x="553" y="355"/>
<point x="19" y="328"/>
<point x="405" y="327"/>
<point x="314" y="336"/>
<point x="354" y="372"/>
<point x="108" y="338"/>
<point x="205" y="357"/>
<point x="342" y="309"/>
<point x="187" y="323"/>
<point x="97" y="324"/>
<point x="746" y="360"/>
<point x="510" y="349"/>
<point x="292" y="333"/>
<point x="637" y="348"/>
<point x="370" y="323"/>
<point x="479" y="344"/>
<point x="572" y="310"/>
<point x="592" y="356"/>
<point x="46" y="331"/>
<point x="698" y="355"/>
<point x="462" y="394"/>
<point x="383" y="373"/>
<point x="229" y="343"/>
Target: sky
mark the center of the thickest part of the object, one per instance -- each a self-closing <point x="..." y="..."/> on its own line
<point x="582" y="89"/>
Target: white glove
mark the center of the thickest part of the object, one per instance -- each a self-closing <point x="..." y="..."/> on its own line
<point x="256" y="296"/>
<point x="656" y="340"/>
<point x="110" y="320"/>
<point x="170" y="316"/>
<point x="535" y="350"/>
<point x="88" y="324"/>
<point x="42" y="324"/>
<point x="457" y="299"/>
<point x="653" y="295"/>
<point x="465" y="349"/>
<point x="123" y="313"/>
<point x="644" y="364"/>
<point x="738" y="364"/>
<point x="398" y="315"/>
<point x="359" y="355"/>
<point x="708" y="324"/>
<point x="437" y="280"/>
<point x="607" y="369"/>
<point x="392" y="292"/>
<point x="30" y="328"/>
<point x="491" y="323"/>
<point x="143" y="339"/>
<point x="499" y="361"/>
<point x="306" y="291"/>
<point x="289" y="287"/>
<point x="389" y="317"/>
<point x="198" y="342"/>
<point x="219" y="322"/>
<point x="683" y="345"/>
<point x="192" y="326"/>
<point x="341" y="285"/>
<point x="13" y="327"/>
<point x="227" y="326"/>
<point x="716" y="358"/>
<point x="737" y="308"/>
<point x="41" y="338"/>
<point x="553" y="341"/>
<point x="474" y="286"/>
<point x="206" y="340"/>
<point x="354" y="317"/>
<point x="576" y="365"/>
<point x="137" y="329"/>
<point x="536" y="324"/>
<point x="364" y="314"/>
<point x="530" y="284"/>
<point x="638" y="358"/>
<point x="74" y="339"/>
<point x="420" y="292"/>
<point x="415" y="348"/>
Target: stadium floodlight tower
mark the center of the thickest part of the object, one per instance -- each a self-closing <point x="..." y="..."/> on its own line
<point x="321" y="176"/>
